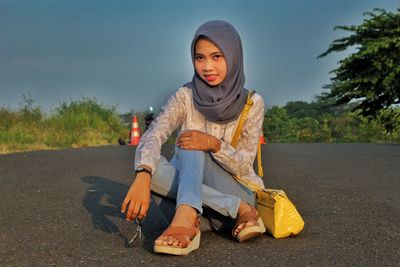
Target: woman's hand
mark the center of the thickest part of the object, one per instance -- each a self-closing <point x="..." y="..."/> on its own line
<point x="137" y="200"/>
<point x="197" y="140"/>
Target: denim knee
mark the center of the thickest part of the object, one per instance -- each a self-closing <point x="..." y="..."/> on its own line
<point x="164" y="181"/>
<point x="189" y="154"/>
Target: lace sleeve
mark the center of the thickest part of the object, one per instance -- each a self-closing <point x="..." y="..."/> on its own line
<point x="170" y="118"/>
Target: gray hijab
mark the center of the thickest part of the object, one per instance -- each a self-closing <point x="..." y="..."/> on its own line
<point x="224" y="102"/>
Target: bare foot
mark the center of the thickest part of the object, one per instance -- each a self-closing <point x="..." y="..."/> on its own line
<point x="243" y="208"/>
<point x="185" y="216"/>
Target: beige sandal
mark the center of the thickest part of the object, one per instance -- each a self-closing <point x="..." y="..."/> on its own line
<point x="250" y="231"/>
<point x="180" y="233"/>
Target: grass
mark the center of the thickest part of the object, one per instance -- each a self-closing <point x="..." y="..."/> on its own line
<point x="75" y="124"/>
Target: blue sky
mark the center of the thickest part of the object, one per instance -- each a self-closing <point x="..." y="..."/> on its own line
<point x="136" y="53"/>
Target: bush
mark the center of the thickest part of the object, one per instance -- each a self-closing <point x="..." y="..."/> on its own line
<point x="75" y="124"/>
<point x="316" y="122"/>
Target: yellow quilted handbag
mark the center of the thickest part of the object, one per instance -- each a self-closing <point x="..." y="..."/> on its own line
<point x="279" y="215"/>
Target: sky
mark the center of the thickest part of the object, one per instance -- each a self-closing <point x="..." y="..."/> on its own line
<point x="135" y="54"/>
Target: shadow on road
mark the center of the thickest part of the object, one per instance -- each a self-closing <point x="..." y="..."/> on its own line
<point x="103" y="201"/>
<point x="103" y="198"/>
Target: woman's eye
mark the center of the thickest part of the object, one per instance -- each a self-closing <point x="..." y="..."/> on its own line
<point x="199" y="58"/>
<point x="217" y="57"/>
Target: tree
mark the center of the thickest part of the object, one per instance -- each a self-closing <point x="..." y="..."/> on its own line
<point x="371" y="76"/>
<point x="300" y="109"/>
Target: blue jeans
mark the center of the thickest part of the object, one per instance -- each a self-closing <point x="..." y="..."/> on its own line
<point x="194" y="178"/>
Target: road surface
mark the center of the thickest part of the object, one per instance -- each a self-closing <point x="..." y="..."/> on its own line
<point x="62" y="208"/>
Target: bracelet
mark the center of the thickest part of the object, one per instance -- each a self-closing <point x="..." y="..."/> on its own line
<point x="142" y="169"/>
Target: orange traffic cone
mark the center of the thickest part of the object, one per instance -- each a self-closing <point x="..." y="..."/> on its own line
<point x="135" y="134"/>
<point x="262" y="139"/>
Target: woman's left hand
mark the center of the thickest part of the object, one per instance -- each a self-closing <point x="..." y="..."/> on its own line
<point x="197" y="140"/>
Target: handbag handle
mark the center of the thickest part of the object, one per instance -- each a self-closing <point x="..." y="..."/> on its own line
<point x="242" y="118"/>
<point x="235" y="139"/>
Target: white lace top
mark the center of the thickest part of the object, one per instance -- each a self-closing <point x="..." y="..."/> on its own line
<point x="180" y="112"/>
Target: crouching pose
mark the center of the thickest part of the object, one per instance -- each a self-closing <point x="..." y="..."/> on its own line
<point x="198" y="179"/>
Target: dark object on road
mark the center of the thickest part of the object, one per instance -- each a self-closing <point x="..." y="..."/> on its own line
<point x="148" y="120"/>
<point x="138" y="233"/>
<point x="121" y="141"/>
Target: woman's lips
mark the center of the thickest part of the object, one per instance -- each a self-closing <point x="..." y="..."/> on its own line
<point x="211" y="78"/>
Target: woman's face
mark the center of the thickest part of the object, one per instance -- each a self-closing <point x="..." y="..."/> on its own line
<point x="209" y="62"/>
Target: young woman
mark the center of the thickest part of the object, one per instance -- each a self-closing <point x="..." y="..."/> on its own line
<point x="199" y="175"/>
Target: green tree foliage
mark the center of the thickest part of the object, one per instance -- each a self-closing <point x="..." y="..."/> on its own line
<point x="371" y="76"/>
<point x="315" y="122"/>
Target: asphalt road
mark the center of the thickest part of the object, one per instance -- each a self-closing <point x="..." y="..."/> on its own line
<point x="62" y="208"/>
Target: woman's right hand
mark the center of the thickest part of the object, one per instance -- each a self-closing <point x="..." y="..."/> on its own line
<point x="137" y="200"/>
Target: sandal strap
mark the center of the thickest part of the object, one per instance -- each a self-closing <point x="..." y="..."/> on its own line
<point x="248" y="216"/>
<point x="251" y="215"/>
<point x="180" y="233"/>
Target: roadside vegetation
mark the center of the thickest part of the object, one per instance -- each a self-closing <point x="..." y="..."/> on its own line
<point x="319" y="121"/>
<point x="80" y="123"/>
<point x="86" y="122"/>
